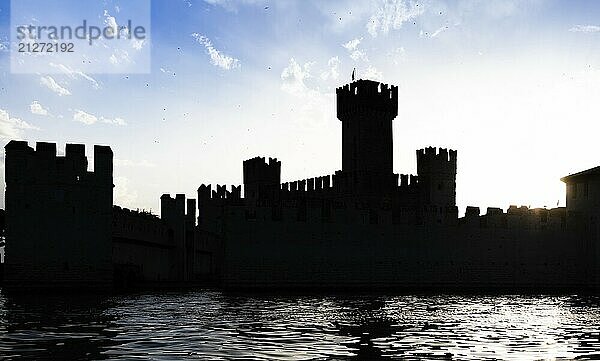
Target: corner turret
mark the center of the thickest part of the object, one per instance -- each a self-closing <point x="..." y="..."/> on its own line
<point x="261" y="178"/>
<point x="437" y="183"/>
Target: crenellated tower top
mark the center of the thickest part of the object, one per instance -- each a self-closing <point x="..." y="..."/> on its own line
<point x="430" y="160"/>
<point x="367" y="96"/>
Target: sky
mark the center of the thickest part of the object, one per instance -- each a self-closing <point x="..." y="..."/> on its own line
<point x="512" y="85"/>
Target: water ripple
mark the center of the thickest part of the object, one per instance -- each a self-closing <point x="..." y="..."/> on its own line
<point x="212" y="325"/>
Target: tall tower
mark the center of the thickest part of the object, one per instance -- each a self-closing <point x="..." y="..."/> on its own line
<point x="58" y="217"/>
<point x="261" y="179"/>
<point x="437" y="183"/>
<point x="366" y="109"/>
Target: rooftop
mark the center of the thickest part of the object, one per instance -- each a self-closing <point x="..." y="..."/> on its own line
<point x="583" y="174"/>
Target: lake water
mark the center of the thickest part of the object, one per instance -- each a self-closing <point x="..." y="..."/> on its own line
<point x="220" y="326"/>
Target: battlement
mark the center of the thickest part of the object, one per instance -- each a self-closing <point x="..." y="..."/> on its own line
<point x="408" y="180"/>
<point x="206" y="193"/>
<point x="472" y="212"/>
<point x="172" y="207"/>
<point x="260" y="163"/>
<point x="514" y="210"/>
<point x="173" y="210"/>
<point x="309" y="184"/>
<point x="367" y="96"/>
<point x="134" y="213"/>
<point x="444" y="154"/>
<point x="523" y="217"/>
<point x="257" y="170"/>
<point x="432" y="159"/>
<point x="261" y="177"/>
<point x="494" y="211"/>
<point x="43" y="163"/>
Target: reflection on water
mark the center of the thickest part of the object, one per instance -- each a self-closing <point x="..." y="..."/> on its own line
<point x="215" y="325"/>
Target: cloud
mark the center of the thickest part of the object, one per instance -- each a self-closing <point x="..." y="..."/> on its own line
<point x="438" y="31"/>
<point x="75" y="74"/>
<point x="111" y="23"/>
<point x="119" y="56"/>
<point x="51" y="84"/>
<point x="4" y="44"/>
<point x="36" y="108"/>
<point x="585" y="29"/>
<point x="312" y="107"/>
<point x="232" y="5"/>
<point x="293" y="77"/>
<point x="114" y="121"/>
<point x="343" y="15"/>
<point x="216" y="57"/>
<point x="13" y="128"/>
<point x="352" y="44"/>
<point x="124" y="196"/>
<point x="356" y="54"/>
<point x="89" y="119"/>
<point x="392" y="14"/>
<point x="425" y="34"/>
<point x="334" y="69"/>
<point x="373" y="74"/>
<point x="85" y="118"/>
<point x="137" y="44"/>
<point x="166" y="71"/>
<point x="397" y="55"/>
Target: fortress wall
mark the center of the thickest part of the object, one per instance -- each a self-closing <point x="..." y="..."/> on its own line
<point x="520" y="248"/>
<point x="323" y="255"/>
<point x="141" y="245"/>
<point x="59" y="216"/>
<point x="351" y="252"/>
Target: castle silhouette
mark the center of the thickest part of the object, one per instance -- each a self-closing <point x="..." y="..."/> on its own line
<point x="362" y="227"/>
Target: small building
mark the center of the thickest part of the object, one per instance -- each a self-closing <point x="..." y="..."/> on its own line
<point x="583" y="196"/>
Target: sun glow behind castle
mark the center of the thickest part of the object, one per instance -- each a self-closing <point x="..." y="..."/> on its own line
<point x="512" y="86"/>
